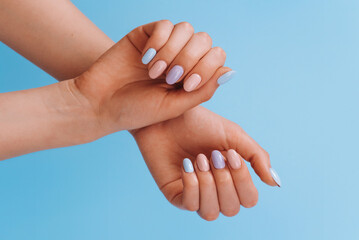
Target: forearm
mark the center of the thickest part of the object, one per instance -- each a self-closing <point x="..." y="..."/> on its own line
<point x="43" y="118"/>
<point x="54" y="35"/>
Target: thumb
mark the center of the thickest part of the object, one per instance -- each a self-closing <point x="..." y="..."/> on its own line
<point x="254" y="154"/>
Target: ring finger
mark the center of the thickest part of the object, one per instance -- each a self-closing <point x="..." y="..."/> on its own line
<point x="227" y="195"/>
<point x="189" y="56"/>
<point x="179" y="37"/>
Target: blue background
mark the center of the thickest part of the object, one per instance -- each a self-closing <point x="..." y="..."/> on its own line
<point x="296" y="93"/>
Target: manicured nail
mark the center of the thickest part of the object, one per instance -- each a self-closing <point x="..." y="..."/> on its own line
<point x="149" y="55"/>
<point x="202" y="163"/>
<point x="192" y="82"/>
<point x="217" y="159"/>
<point x="234" y="159"/>
<point x="226" y="77"/>
<point x="174" y="74"/>
<point x="187" y="165"/>
<point x="157" y="69"/>
<point x="275" y="177"/>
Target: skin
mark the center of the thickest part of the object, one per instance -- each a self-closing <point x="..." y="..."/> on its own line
<point x="60" y="51"/>
<point x="201" y="131"/>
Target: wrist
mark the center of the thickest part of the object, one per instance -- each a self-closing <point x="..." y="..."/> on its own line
<point x="75" y="114"/>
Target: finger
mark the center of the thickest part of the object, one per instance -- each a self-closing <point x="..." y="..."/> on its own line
<point x="180" y="101"/>
<point x="251" y="151"/>
<point x="189" y="56"/>
<point x="190" y="197"/>
<point x="204" y="69"/>
<point x="208" y="205"/>
<point x="159" y="33"/>
<point x="181" y="34"/>
<point x="227" y="195"/>
<point x="247" y="192"/>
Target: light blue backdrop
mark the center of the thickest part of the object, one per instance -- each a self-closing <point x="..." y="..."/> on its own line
<point x="297" y="94"/>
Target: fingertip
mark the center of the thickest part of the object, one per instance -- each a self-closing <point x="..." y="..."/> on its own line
<point x="226" y="77"/>
<point x="275" y="177"/>
<point x="149" y="55"/>
<point x="187" y="165"/>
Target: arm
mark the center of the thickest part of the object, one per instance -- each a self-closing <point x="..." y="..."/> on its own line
<point x="155" y="159"/>
<point x="114" y="94"/>
<point x="54" y="35"/>
<point x="53" y="118"/>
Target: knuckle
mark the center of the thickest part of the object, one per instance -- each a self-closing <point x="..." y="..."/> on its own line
<point x="219" y="52"/>
<point x="224" y="180"/>
<point x="166" y="22"/>
<point x="231" y="212"/>
<point x="192" y="185"/>
<point x="186" y="26"/>
<point x="210" y="216"/>
<point x="204" y="37"/>
<point x="190" y="206"/>
<point x="207" y="96"/>
<point x="251" y="200"/>
<point x="169" y="51"/>
<point x="251" y="203"/>
<point x="209" y="183"/>
<point x="266" y="154"/>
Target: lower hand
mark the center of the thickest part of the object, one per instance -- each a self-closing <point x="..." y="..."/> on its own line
<point x="165" y="145"/>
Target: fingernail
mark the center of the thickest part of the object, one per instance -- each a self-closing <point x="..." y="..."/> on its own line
<point x="157" y="69"/>
<point x="192" y="82"/>
<point x="226" y="77"/>
<point x="275" y="177"/>
<point x="202" y="163"/>
<point x="174" y="74"/>
<point x="187" y="165"/>
<point x="149" y="55"/>
<point x="217" y="159"/>
<point x="234" y="159"/>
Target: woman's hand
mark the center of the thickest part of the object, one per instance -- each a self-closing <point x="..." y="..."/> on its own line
<point x="165" y="145"/>
<point x="120" y="87"/>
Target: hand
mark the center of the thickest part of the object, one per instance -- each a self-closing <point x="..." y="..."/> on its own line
<point x="199" y="130"/>
<point x="124" y="96"/>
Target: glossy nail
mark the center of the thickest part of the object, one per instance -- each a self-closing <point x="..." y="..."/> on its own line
<point x="187" y="165"/>
<point x="217" y="159"/>
<point x="234" y="159"/>
<point x="202" y="163"/>
<point x="192" y="82"/>
<point x="149" y="55"/>
<point x="174" y="74"/>
<point x="225" y="77"/>
<point x="275" y="177"/>
<point x="157" y="69"/>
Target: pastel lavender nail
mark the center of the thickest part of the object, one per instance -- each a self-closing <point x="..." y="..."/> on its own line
<point x="174" y="74"/>
<point x="225" y="77"/>
<point x="187" y="165"/>
<point x="149" y="55"/>
<point x="217" y="159"/>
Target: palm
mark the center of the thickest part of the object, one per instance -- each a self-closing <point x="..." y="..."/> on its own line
<point x="164" y="145"/>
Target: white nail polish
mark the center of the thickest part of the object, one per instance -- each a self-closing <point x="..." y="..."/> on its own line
<point x="275" y="177"/>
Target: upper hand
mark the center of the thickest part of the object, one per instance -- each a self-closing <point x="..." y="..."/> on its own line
<point x="126" y="94"/>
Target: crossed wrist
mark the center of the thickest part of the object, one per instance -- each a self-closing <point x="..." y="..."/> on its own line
<point x="79" y="119"/>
